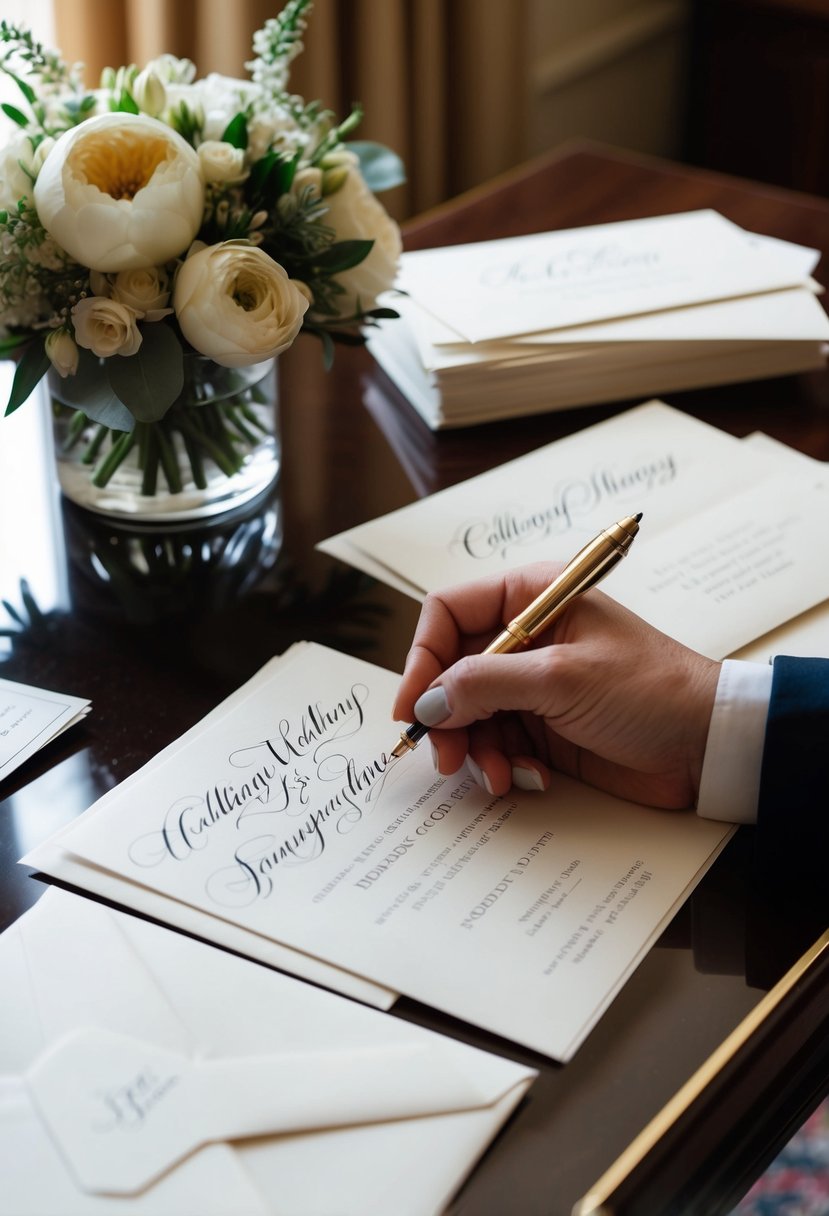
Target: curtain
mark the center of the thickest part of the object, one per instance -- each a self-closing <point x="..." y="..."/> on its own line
<point x="443" y="82"/>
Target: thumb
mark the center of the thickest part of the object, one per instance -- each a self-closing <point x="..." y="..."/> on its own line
<point x="478" y="686"/>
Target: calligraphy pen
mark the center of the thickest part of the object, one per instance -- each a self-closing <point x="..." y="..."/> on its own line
<point x="585" y="570"/>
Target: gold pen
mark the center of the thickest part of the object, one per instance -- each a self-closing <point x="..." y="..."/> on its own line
<point x="586" y="569"/>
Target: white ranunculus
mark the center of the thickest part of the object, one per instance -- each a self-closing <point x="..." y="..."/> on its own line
<point x="63" y="352"/>
<point x="120" y="192"/>
<point x="356" y="214"/>
<point x="146" y="291"/>
<point x="237" y="305"/>
<point x="221" y="162"/>
<point x="105" y="327"/>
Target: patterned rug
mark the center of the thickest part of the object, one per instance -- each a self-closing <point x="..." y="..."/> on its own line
<point x="797" y="1182"/>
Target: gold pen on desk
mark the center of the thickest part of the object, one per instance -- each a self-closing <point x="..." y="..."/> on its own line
<point x="585" y="570"/>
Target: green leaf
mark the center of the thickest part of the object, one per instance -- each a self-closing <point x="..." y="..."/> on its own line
<point x="236" y="132"/>
<point x="24" y="86"/>
<point x="342" y="255"/>
<point x="14" y="114"/>
<point x="89" y="390"/>
<point x="381" y="168"/>
<point x="149" y="381"/>
<point x="31" y="369"/>
<point x="126" y="103"/>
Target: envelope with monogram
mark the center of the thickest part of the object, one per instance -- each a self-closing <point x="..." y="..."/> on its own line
<point x="141" y="1071"/>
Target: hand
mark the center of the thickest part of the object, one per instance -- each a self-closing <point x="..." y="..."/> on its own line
<point x="601" y="696"/>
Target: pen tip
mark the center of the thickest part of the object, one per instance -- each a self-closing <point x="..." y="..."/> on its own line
<point x="638" y="517"/>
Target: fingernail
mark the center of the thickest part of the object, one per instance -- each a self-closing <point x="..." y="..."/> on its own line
<point x="432" y="707"/>
<point x="524" y="778"/>
<point x="479" y="774"/>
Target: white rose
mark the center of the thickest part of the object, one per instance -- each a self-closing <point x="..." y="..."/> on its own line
<point x="146" y="291"/>
<point x="221" y="162"/>
<point x="236" y="305"/>
<point x="121" y="191"/>
<point x="105" y="327"/>
<point x="221" y="99"/>
<point x="63" y="352"/>
<point x="356" y="214"/>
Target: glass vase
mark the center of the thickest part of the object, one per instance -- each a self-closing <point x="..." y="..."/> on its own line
<point x="216" y="448"/>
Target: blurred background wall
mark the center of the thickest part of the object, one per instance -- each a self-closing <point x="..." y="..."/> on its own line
<point x="465" y="89"/>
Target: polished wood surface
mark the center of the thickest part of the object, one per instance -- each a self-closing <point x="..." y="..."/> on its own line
<point x="157" y="626"/>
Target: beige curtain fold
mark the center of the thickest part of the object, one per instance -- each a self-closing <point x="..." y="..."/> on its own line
<point x="443" y="82"/>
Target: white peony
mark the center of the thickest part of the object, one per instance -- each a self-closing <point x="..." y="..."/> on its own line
<point x="105" y="327"/>
<point x="237" y="305"/>
<point x="356" y="214"/>
<point x="120" y="192"/>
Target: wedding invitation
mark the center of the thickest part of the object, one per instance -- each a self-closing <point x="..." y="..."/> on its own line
<point x="146" y="1072"/>
<point x="554" y="320"/>
<point x="282" y="815"/>
<point x="725" y="551"/>
<point x="30" y="718"/>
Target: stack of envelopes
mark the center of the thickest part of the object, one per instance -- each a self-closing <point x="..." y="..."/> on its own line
<point x="555" y="320"/>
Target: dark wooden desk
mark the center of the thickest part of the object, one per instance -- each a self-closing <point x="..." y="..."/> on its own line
<point x="158" y="627"/>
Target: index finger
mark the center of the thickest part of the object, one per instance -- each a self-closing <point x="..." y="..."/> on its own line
<point x="463" y="620"/>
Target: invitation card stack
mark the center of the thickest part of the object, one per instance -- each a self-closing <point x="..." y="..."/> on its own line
<point x="531" y="324"/>
<point x="30" y="718"/>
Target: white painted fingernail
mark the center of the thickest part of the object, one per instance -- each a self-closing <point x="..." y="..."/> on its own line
<point x="432" y="707"/>
<point x="479" y="774"/>
<point x="524" y="778"/>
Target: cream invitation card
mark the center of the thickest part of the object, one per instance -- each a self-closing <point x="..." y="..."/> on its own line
<point x="523" y="915"/>
<point x="30" y="718"/>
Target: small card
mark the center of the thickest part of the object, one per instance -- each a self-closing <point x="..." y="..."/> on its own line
<point x="30" y="718"/>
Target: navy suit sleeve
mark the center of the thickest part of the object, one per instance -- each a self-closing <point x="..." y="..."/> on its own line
<point x="793" y="806"/>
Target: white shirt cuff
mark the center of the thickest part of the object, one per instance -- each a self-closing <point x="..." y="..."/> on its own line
<point x="730" y="780"/>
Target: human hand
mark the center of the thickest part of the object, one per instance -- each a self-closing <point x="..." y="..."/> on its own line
<point x="601" y="695"/>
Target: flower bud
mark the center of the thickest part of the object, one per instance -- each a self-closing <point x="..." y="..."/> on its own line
<point x="149" y="93"/>
<point x="334" y="179"/>
<point x="62" y="352"/>
<point x="108" y="79"/>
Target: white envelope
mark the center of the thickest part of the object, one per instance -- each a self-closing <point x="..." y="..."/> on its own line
<point x="72" y="965"/>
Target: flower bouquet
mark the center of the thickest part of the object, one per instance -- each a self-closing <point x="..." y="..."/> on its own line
<point x="164" y="238"/>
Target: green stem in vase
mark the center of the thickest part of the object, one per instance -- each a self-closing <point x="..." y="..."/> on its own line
<point x="250" y="414"/>
<point x="148" y="458"/>
<point x="196" y="462"/>
<point x="75" y="430"/>
<point x="241" y="426"/>
<point x="169" y="463"/>
<point x="94" y="446"/>
<point x="117" y="453"/>
<point x="229" y="464"/>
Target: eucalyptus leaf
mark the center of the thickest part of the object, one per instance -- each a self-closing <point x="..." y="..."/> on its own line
<point x="89" y="390"/>
<point x="381" y="168"/>
<point x="149" y="381"/>
<point x="33" y="366"/>
<point x="342" y="255"/>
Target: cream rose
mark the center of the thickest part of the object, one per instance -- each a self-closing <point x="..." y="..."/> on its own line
<point x="17" y="168"/>
<point x="237" y="305"/>
<point x="146" y="291"/>
<point x="105" y="327"/>
<point x="121" y="192"/>
<point x="356" y="214"/>
<point x="221" y="162"/>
